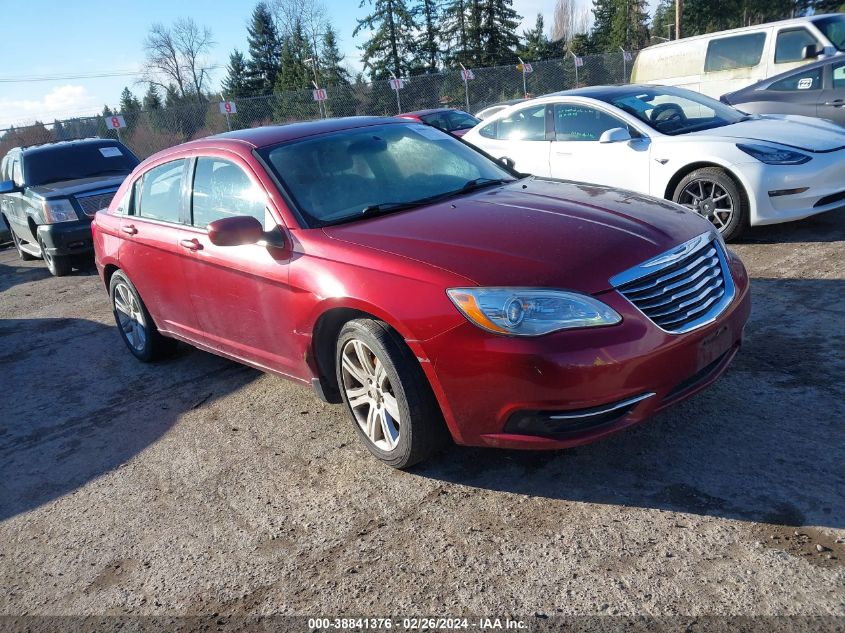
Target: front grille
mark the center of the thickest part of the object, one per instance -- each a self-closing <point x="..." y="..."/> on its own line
<point x="92" y="203"/>
<point x="683" y="288"/>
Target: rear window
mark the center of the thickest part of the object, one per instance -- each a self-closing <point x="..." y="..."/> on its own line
<point x="72" y="162"/>
<point x="808" y="80"/>
<point x="740" y="51"/>
<point x="451" y="120"/>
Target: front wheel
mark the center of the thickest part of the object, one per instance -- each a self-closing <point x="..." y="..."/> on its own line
<point x="387" y="394"/>
<point x="134" y="322"/>
<point x="714" y="194"/>
<point x="58" y="265"/>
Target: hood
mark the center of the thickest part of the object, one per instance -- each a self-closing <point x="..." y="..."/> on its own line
<point x="65" y="188"/>
<point x="532" y="232"/>
<point x="801" y="132"/>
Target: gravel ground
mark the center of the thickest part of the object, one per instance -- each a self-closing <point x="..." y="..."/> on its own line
<point x="199" y="486"/>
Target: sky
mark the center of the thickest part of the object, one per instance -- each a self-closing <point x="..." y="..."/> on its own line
<point x="57" y="38"/>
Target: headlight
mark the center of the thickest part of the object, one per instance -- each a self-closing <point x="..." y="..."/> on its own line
<point x="58" y="211"/>
<point x="530" y="311"/>
<point x="774" y="155"/>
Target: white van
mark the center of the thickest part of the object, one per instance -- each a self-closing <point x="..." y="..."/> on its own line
<point x="718" y="63"/>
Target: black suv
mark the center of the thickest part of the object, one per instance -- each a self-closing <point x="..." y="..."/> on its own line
<point x="49" y="194"/>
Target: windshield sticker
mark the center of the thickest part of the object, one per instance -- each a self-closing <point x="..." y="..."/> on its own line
<point x="432" y="133"/>
<point x="805" y="83"/>
<point x="110" y="152"/>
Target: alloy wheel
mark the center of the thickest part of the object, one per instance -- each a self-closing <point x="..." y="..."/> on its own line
<point x="130" y="317"/>
<point x="709" y="199"/>
<point x="370" y="395"/>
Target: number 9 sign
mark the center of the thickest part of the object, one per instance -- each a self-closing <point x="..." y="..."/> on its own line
<point x="228" y="107"/>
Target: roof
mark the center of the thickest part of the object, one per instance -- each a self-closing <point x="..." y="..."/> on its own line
<point x="429" y="111"/>
<point x="742" y="29"/>
<point x="46" y="147"/>
<point x="274" y="134"/>
<point x="603" y="93"/>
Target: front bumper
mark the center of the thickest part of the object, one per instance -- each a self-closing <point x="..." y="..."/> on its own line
<point x="824" y="180"/>
<point x="489" y="385"/>
<point x="67" y="238"/>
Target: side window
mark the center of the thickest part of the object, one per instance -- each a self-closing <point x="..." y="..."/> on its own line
<point x="161" y="192"/>
<point x="528" y="124"/>
<point x="791" y="43"/>
<point x="740" y="51"/>
<point x="580" y="123"/>
<point x="17" y="174"/>
<point x="489" y="130"/>
<point x="838" y="75"/>
<point x="222" y="190"/>
<point x="4" y="171"/>
<point x="809" y="80"/>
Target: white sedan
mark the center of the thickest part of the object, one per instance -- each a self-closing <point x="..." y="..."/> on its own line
<point x="735" y="169"/>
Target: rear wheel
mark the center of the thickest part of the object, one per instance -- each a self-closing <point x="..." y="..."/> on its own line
<point x="58" y="265"/>
<point x="22" y="254"/>
<point x="387" y="394"/>
<point x="712" y="193"/>
<point x="134" y="322"/>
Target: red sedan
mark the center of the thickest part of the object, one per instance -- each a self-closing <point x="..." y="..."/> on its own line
<point x="455" y="122"/>
<point x="429" y="288"/>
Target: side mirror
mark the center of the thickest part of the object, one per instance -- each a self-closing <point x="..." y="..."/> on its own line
<point x="9" y="186"/>
<point x="615" y="135"/>
<point x="508" y="162"/>
<point x="235" y="231"/>
<point x="811" y="51"/>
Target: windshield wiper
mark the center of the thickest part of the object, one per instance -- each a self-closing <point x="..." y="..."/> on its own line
<point x="478" y="183"/>
<point x="389" y="207"/>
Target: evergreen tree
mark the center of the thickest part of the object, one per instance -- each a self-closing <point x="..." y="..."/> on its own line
<point x="130" y="108"/>
<point x="604" y="16"/>
<point x="152" y="100"/>
<point x="265" y="49"/>
<point x="293" y="72"/>
<point x="59" y="130"/>
<point x="455" y="31"/>
<point x="428" y="15"/>
<point x="536" y="45"/>
<point x="629" y="26"/>
<point x="237" y="81"/>
<point x="392" y="46"/>
<point x="332" y="71"/>
<point x="663" y="21"/>
<point x="498" y="36"/>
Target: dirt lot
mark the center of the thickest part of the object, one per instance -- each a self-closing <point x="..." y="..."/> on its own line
<point x="201" y="486"/>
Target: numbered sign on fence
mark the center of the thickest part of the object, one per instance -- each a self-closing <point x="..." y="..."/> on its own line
<point x="466" y="73"/>
<point x="115" y="122"/>
<point x="320" y="94"/>
<point x="526" y="68"/>
<point x="579" y="61"/>
<point x="397" y="84"/>
<point x="626" y="55"/>
<point x="228" y="107"/>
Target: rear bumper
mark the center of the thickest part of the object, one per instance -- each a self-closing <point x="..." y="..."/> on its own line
<point x="559" y="391"/>
<point x="67" y="238"/>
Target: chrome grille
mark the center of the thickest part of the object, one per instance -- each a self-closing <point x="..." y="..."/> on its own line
<point x="94" y="202"/>
<point x="683" y="288"/>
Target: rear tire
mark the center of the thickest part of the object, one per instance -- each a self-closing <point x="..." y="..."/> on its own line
<point x="387" y="395"/>
<point x="695" y="192"/>
<point x="58" y="265"/>
<point x="22" y="254"/>
<point x="136" y="326"/>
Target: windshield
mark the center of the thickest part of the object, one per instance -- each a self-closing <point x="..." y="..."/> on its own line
<point x="674" y="111"/>
<point x="341" y="176"/>
<point x="833" y="28"/>
<point x="75" y="161"/>
<point x="451" y="120"/>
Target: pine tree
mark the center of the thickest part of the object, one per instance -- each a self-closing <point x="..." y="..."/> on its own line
<point x="498" y="36"/>
<point x="130" y="108"/>
<point x="455" y="32"/>
<point x="663" y="21"/>
<point x="536" y="45"/>
<point x="237" y="81"/>
<point x="428" y="15"/>
<point x="604" y="15"/>
<point x="152" y="100"/>
<point x="264" y="50"/>
<point x="629" y="26"/>
<point x="392" y="46"/>
<point x="332" y="71"/>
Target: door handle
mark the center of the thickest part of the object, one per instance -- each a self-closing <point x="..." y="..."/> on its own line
<point x="836" y="103"/>
<point x="129" y="229"/>
<point x="192" y="244"/>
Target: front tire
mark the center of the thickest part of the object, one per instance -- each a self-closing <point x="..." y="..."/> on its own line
<point x="714" y="194"/>
<point x="58" y="265"/>
<point x="387" y="395"/>
<point x="134" y="322"/>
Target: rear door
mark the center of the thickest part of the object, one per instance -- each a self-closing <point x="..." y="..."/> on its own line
<point x="151" y="250"/>
<point x="831" y="103"/>
<point x="522" y="136"/>
<point x="240" y="293"/>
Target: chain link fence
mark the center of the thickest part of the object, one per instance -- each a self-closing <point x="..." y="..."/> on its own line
<point x="149" y="131"/>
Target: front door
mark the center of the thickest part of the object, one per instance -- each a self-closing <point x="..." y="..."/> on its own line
<point x="240" y="293"/>
<point x="832" y="100"/>
<point x="577" y="154"/>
